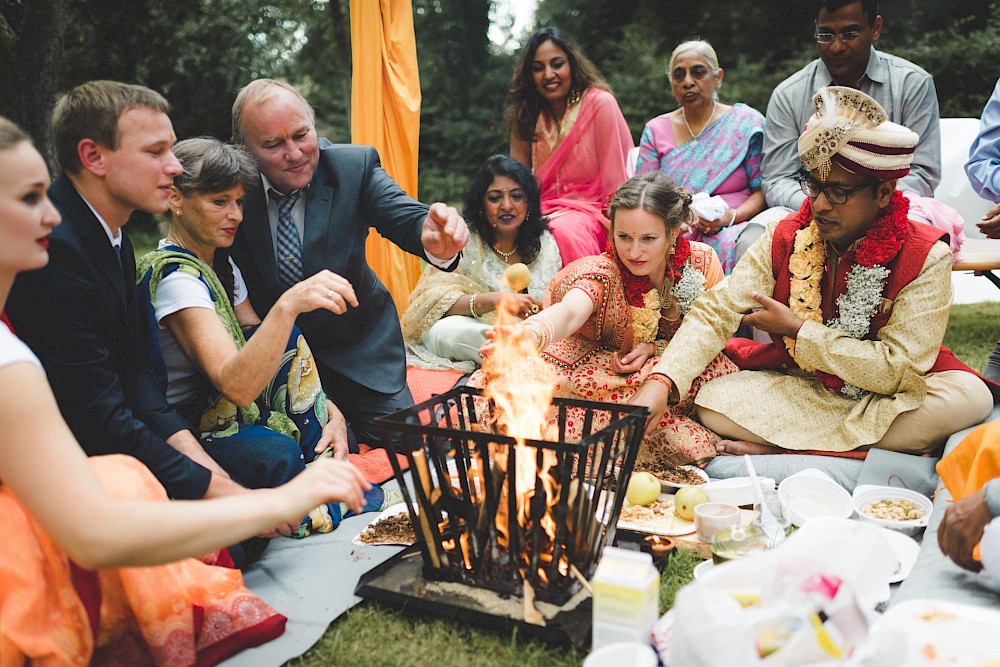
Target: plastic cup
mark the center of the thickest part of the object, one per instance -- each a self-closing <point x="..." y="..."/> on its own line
<point x="622" y="653"/>
<point x="709" y="518"/>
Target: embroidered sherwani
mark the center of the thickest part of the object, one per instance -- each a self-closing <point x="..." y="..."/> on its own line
<point x="789" y="407"/>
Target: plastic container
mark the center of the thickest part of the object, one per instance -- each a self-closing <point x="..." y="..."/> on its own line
<point x="867" y="494"/>
<point x="626" y="597"/>
<point x="811" y="494"/>
<point x="735" y="490"/>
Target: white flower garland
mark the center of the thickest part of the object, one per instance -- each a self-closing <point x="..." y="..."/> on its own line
<point x="857" y="306"/>
<point x="690" y="286"/>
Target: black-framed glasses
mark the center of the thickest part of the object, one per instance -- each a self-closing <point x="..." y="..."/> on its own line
<point x="835" y="195"/>
<point x="827" y="37"/>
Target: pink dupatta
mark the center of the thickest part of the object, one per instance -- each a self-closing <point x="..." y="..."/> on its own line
<point x="583" y="170"/>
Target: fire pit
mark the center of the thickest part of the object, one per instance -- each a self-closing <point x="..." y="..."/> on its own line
<point x="513" y="515"/>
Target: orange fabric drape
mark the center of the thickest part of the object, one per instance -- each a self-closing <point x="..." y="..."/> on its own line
<point x="385" y="113"/>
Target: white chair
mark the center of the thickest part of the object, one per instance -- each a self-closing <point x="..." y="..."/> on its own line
<point x="979" y="254"/>
<point x="957" y="135"/>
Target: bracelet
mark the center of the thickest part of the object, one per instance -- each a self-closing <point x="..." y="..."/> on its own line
<point x="542" y="330"/>
<point x="662" y="379"/>
<point x="732" y="219"/>
<point x="472" y="306"/>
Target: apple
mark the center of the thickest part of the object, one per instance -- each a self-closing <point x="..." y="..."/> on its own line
<point x="517" y="276"/>
<point x="643" y="489"/>
<point x="686" y="499"/>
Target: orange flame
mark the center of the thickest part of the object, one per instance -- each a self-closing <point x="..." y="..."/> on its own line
<point x="521" y="385"/>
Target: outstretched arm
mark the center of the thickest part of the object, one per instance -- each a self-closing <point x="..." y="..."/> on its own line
<point x="97" y="531"/>
<point x="241" y="374"/>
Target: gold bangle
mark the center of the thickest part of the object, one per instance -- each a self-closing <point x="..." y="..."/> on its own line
<point x="472" y="306"/>
<point x="662" y="379"/>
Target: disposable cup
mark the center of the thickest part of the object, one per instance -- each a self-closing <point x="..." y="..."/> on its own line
<point x="622" y="653"/>
<point x="709" y="518"/>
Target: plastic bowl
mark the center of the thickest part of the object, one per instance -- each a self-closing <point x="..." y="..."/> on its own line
<point x="734" y="490"/>
<point x="867" y="494"/>
<point x="812" y="495"/>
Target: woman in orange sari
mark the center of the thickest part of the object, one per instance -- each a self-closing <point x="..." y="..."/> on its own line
<point x="607" y="318"/>
<point x="95" y="563"/>
<point x="565" y="125"/>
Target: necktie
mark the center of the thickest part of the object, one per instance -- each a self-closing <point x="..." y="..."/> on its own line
<point x="289" y="245"/>
<point x="118" y="254"/>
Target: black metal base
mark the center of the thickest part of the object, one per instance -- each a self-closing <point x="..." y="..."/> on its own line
<point x="399" y="582"/>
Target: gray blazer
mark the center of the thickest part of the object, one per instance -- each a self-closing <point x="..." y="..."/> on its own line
<point x="349" y="193"/>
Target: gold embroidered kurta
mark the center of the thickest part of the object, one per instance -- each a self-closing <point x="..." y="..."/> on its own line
<point x="792" y="409"/>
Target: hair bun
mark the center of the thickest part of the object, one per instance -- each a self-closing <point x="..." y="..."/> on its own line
<point x="684" y="195"/>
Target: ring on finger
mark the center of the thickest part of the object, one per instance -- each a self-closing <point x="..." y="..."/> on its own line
<point x="533" y="309"/>
<point x="329" y="295"/>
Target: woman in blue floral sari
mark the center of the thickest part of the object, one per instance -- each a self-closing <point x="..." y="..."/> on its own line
<point x="708" y="147"/>
<point x="249" y="387"/>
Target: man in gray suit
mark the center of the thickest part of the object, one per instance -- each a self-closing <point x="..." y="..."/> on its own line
<point x="312" y="211"/>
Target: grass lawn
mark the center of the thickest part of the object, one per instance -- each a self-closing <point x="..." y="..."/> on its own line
<point x="371" y="635"/>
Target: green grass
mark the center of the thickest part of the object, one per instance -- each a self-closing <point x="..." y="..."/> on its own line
<point x="371" y="635"/>
<point x="973" y="330"/>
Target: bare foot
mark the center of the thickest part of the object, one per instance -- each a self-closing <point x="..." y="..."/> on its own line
<point x="741" y="447"/>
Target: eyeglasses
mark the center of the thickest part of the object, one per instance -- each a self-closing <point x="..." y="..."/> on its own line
<point x="834" y="195"/>
<point x="846" y="36"/>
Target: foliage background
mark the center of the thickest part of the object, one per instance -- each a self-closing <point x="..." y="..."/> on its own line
<point x="199" y="52"/>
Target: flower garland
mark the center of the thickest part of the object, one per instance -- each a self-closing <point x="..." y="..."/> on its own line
<point x="644" y="299"/>
<point x="866" y="280"/>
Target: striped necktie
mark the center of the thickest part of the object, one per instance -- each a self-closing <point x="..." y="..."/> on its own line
<point x="289" y="245"/>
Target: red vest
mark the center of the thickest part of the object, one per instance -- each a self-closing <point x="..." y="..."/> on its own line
<point x="904" y="268"/>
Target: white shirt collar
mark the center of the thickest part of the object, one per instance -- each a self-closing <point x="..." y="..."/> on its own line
<point x="115" y="237"/>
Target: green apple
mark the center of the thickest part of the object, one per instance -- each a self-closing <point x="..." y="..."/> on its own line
<point x="643" y="488"/>
<point x="686" y="499"/>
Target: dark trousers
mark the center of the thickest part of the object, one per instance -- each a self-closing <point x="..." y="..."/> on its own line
<point x="361" y="405"/>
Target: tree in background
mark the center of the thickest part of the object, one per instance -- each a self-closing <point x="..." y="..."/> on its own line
<point x="31" y="55"/>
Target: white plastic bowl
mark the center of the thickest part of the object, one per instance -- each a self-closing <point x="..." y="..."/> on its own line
<point x="811" y="494"/>
<point x="734" y="490"/>
<point x="867" y="494"/>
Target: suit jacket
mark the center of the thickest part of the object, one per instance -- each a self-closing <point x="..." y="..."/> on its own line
<point x="349" y="193"/>
<point x="80" y="316"/>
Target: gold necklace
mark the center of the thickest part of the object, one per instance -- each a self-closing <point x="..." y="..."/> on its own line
<point x="694" y="137"/>
<point x="505" y="255"/>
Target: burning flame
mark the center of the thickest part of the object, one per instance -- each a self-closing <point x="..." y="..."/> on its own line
<point x="521" y="385"/>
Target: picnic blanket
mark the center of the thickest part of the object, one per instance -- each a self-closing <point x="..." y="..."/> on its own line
<point x="312" y="581"/>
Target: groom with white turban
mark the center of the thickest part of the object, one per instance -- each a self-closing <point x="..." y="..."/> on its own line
<point x="855" y="297"/>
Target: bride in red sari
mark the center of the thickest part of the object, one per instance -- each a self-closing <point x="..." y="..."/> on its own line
<point x="607" y="318"/>
<point x="95" y="563"/>
<point x="565" y="125"/>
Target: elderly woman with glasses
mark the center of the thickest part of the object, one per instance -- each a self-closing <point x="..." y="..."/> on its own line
<point x="708" y="147"/>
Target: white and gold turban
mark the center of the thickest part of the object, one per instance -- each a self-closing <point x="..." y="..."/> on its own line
<point x="853" y="130"/>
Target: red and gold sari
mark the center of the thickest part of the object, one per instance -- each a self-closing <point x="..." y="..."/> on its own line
<point x="184" y="613"/>
<point x="583" y="361"/>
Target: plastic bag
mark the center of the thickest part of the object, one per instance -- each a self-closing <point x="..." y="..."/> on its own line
<point x="807" y="602"/>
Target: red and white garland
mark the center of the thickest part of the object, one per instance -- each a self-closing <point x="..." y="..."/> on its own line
<point x="866" y="279"/>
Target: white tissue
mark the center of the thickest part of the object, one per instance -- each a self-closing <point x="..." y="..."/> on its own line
<point x="708" y="208"/>
<point x="989" y="552"/>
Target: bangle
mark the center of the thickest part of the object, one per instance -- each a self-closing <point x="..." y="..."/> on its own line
<point x="662" y="379"/>
<point x="472" y="306"/>
<point x="541" y="330"/>
<point x="732" y="219"/>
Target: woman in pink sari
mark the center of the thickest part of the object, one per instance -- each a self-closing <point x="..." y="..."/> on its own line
<point x="566" y="126"/>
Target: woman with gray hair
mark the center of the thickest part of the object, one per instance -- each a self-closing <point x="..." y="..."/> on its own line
<point x="707" y="147"/>
<point x="243" y="384"/>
